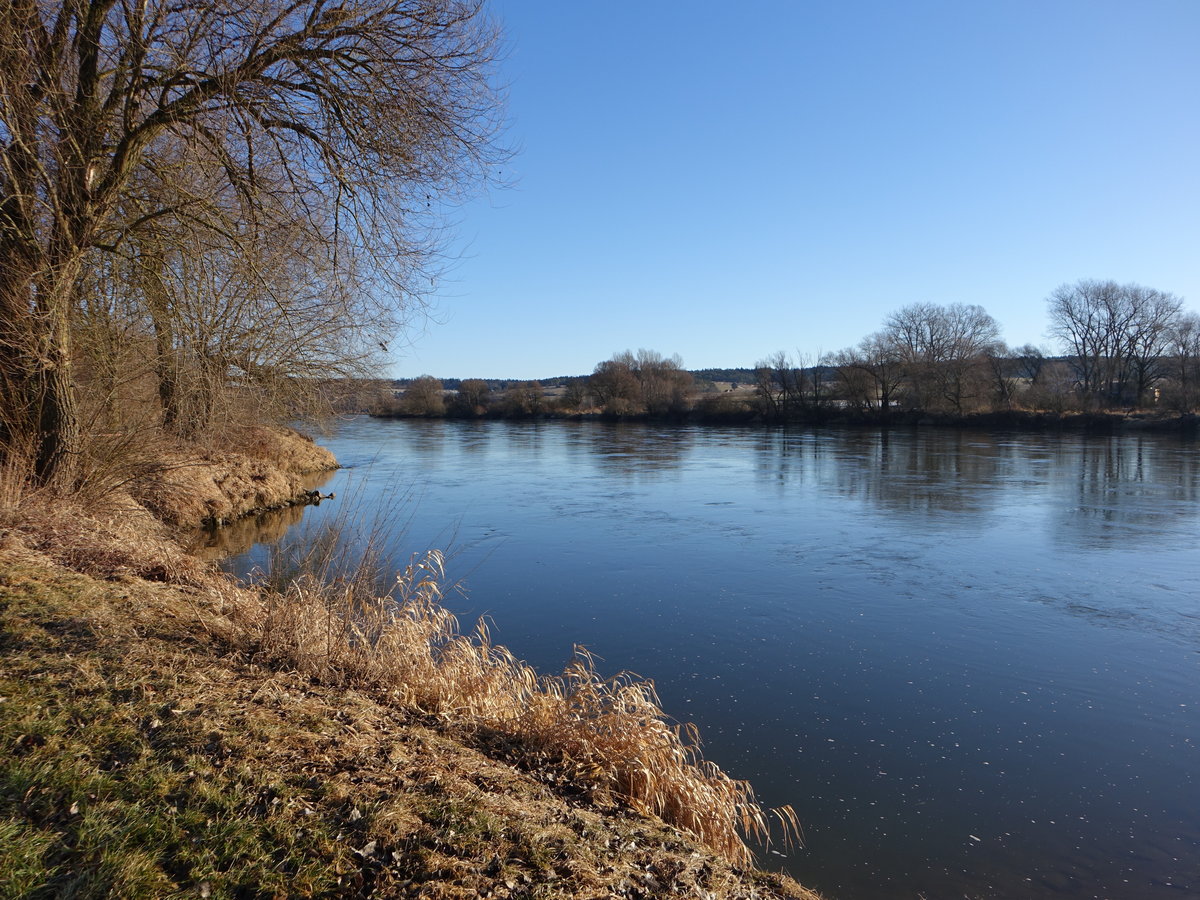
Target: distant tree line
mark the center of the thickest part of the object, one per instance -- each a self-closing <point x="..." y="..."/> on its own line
<point x="629" y="384"/>
<point x="1123" y="346"/>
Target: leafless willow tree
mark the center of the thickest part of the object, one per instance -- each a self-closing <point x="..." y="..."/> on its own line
<point x="787" y="388"/>
<point x="613" y="383"/>
<point x="359" y="117"/>
<point x="776" y="384"/>
<point x="666" y="385"/>
<point x="473" y="397"/>
<point x="239" y="296"/>
<point x="424" y="396"/>
<point x="524" y="398"/>
<point x="1016" y="374"/>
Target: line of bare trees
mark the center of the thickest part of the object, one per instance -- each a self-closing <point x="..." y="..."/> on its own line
<point x="1123" y="346"/>
<point x="200" y="199"/>
<point x="640" y="383"/>
<point x="628" y="384"/>
<point x="1123" y="340"/>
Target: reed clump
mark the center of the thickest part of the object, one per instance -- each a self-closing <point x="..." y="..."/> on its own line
<point x="606" y="734"/>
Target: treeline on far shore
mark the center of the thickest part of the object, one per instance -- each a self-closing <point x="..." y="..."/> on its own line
<point x="1125" y="352"/>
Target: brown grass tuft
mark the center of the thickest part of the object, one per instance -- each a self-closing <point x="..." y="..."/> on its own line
<point x="269" y="469"/>
<point x="610" y="735"/>
<point x="117" y="539"/>
<point x="134" y="495"/>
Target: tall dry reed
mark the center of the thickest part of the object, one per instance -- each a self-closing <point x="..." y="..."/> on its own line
<point x="332" y="623"/>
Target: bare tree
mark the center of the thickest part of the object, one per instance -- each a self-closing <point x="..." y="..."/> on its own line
<point x="1016" y="373"/>
<point x="614" y="385"/>
<point x="1115" y="335"/>
<point x="1004" y="381"/>
<point x="1154" y="316"/>
<point x="424" y="396"/>
<point x="240" y="296"/>
<point x="871" y="373"/>
<point x="777" y="384"/>
<point x="916" y="333"/>
<point x="1184" y="352"/>
<point x="664" y="383"/>
<point x="574" y="394"/>
<point x="473" y="397"/>
<point x="524" y="398"/>
<point x="854" y="382"/>
<point x="816" y="384"/>
<point x="1082" y="317"/>
<point x="1030" y="361"/>
<point x="634" y="383"/>
<point x="973" y="336"/>
<point x="364" y="112"/>
<point x="944" y="351"/>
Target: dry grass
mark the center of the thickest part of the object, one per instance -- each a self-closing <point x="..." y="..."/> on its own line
<point x="269" y="469"/>
<point x="180" y="484"/>
<point x="101" y="532"/>
<point x="330" y="618"/>
<point x="136" y="494"/>
<point x="110" y="540"/>
<point x="141" y="758"/>
<point x="609" y="735"/>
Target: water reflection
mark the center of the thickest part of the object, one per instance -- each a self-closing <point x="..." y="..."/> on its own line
<point x="968" y="659"/>
<point x="633" y="451"/>
<point x="427" y="437"/>
<point x="262" y="528"/>
<point x="1108" y="490"/>
<point x="1125" y="489"/>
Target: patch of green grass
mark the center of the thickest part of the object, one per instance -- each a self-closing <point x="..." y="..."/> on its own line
<point x="23" y="855"/>
<point x="471" y="830"/>
<point x="141" y="756"/>
<point x="103" y="792"/>
<point x="97" y="806"/>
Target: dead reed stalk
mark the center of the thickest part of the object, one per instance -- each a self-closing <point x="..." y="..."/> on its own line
<point x="607" y="734"/>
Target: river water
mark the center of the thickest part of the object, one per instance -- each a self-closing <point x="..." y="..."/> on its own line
<point x="969" y="661"/>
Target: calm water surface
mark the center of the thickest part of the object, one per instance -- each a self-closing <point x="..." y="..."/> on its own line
<point x="968" y="661"/>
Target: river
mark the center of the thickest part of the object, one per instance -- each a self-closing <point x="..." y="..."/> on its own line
<point x="969" y="661"/>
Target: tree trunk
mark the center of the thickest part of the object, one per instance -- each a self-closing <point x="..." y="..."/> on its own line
<point x="18" y="407"/>
<point x="16" y="432"/>
<point x="57" y="460"/>
<point x="166" y="369"/>
<point x="55" y="411"/>
<point x="39" y="420"/>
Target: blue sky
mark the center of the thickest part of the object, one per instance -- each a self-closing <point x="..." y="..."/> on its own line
<point x="723" y="180"/>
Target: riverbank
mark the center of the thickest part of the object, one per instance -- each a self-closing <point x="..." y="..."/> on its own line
<point x="743" y="413"/>
<point x="155" y="745"/>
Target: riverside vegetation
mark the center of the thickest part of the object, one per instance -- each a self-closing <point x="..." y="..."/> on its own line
<point x="168" y="731"/>
<point x="1124" y="348"/>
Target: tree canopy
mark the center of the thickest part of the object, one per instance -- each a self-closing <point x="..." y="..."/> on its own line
<point x="223" y="136"/>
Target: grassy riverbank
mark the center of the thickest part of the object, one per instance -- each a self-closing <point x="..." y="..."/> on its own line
<point x="166" y="732"/>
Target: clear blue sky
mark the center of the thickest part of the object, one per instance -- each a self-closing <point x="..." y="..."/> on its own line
<point x="725" y="180"/>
